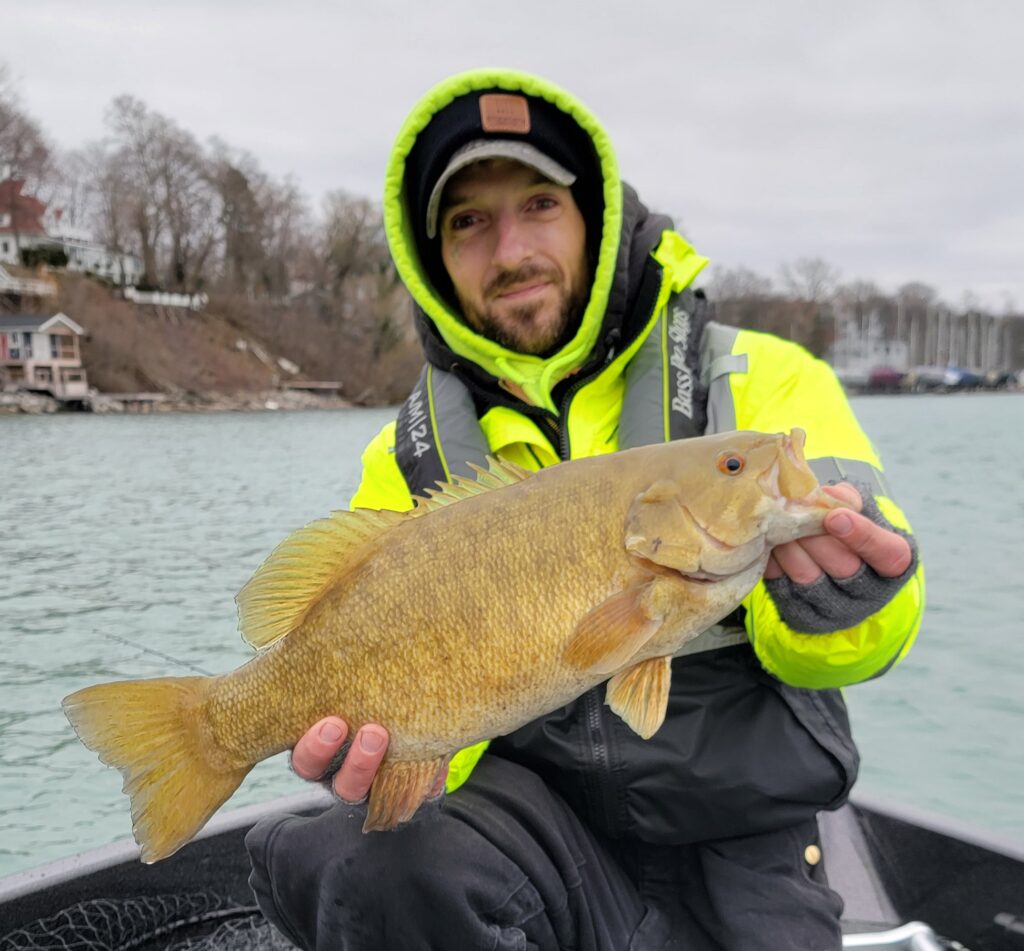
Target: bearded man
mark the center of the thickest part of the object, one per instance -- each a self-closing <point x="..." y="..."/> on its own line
<point x="559" y="320"/>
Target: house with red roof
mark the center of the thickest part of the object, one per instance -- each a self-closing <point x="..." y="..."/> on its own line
<point x="21" y="216"/>
<point x="23" y="227"/>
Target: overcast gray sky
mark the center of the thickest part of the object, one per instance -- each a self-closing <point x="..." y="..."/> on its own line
<point x="885" y="137"/>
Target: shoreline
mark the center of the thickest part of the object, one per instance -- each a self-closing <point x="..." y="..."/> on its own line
<point x="136" y="404"/>
<point x="23" y="403"/>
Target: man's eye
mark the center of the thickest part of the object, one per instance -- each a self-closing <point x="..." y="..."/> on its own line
<point x="458" y="222"/>
<point x="544" y="203"/>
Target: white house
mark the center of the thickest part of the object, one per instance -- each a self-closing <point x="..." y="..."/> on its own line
<point x="27" y="223"/>
<point x="40" y="352"/>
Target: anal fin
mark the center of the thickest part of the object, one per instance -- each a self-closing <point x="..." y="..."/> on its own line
<point x="399" y="790"/>
<point x="640" y="695"/>
<point x="608" y="635"/>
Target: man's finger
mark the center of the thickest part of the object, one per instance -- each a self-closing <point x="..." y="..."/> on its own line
<point x="796" y="563"/>
<point x="845" y="493"/>
<point x="885" y="551"/>
<point x="318" y="746"/>
<point x="831" y="555"/>
<point x="439" y="783"/>
<point x="772" y="569"/>
<point x="353" y="781"/>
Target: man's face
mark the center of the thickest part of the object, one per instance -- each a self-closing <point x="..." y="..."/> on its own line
<point x="514" y="246"/>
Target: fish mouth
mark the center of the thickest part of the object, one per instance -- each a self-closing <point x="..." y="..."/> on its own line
<point x="696" y="577"/>
<point x="790" y="481"/>
<point x="699" y="575"/>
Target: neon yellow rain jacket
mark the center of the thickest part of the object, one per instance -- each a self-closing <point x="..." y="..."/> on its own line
<point x="756" y="735"/>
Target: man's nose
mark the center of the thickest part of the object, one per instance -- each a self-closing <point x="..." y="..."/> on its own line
<point x="511" y="246"/>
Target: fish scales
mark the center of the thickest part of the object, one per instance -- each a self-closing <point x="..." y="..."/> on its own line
<point x="491" y="604"/>
<point x="515" y="602"/>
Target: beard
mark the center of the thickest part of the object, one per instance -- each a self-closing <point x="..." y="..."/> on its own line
<point x="517" y="328"/>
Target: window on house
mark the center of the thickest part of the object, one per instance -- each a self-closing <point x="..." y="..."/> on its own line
<point x="5" y="247"/>
<point x="43" y="375"/>
<point x="62" y="347"/>
<point x="20" y="345"/>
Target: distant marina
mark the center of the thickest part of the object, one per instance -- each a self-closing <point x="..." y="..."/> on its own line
<point x="916" y="346"/>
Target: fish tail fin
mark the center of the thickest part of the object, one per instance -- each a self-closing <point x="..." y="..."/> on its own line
<point x="149" y="730"/>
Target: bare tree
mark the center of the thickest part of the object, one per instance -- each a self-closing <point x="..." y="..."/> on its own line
<point x="188" y="201"/>
<point x="24" y="149"/>
<point x="238" y="180"/>
<point x="738" y="283"/>
<point x="73" y="196"/>
<point x="136" y="141"/>
<point x="353" y="238"/>
<point x="918" y="293"/>
<point x="287" y="240"/>
<point x="859" y="294"/>
<point x="810" y="279"/>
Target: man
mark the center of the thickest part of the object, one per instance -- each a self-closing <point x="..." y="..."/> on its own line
<point x="558" y="322"/>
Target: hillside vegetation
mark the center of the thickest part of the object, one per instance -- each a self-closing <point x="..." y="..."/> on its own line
<point x="233" y="346"/>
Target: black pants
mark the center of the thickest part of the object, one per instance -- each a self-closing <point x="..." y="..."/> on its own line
<point x="505" y="865"/>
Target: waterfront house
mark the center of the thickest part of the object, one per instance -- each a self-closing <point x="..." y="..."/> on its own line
<point x="21" y="220"/>
<point x="28" y="225"/>
<point x="40" y="353"/>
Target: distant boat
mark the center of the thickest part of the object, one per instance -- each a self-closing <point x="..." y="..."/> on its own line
<point x="885" y="380"/>
<point x="957" y="378"/>
<point x="942" y="379"/>
<point x="911" y="882"/>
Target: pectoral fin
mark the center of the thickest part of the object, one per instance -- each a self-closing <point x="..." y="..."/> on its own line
<point x="611" y="633"/>
<point x="399" y="790"/>
<point x="640" y="695"/>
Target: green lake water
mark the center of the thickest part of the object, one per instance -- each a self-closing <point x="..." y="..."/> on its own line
<point x="124" y="533"/>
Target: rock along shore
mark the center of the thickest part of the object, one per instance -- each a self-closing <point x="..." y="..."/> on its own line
<point x="35" y="404"/>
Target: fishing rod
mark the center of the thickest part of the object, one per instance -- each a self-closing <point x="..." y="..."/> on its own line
<point x="156" y="653"/>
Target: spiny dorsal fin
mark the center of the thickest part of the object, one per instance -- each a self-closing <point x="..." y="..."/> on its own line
<point x="277" y="596"/>
<point x="498" y="474"/>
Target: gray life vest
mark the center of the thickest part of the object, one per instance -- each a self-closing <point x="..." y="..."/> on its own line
<point x="677" y="387"/>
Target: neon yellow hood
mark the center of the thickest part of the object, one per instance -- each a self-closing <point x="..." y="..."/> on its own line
<point x="536" y="375"/>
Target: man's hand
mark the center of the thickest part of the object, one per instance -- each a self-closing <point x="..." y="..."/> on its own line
<point x="852" y="540"/>
<point x="320" y="744"/>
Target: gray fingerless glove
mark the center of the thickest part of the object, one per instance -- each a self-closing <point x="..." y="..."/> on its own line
<point x="834" y="604"/>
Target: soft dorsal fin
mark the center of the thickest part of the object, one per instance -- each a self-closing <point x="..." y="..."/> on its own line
<point x="277" y="596"/>
<point x="498" y="474"/>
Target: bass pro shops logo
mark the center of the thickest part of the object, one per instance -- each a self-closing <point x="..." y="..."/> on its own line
<point x="682" y="391"/>
<point x="417" y="424"/>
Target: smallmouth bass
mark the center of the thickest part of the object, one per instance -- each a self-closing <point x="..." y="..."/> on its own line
<point x="491" y="603"/>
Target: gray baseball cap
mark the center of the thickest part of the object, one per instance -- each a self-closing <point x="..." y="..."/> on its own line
<point x="480" y="149"/>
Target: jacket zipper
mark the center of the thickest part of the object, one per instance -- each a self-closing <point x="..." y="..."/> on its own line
<point x="599" y="779"/>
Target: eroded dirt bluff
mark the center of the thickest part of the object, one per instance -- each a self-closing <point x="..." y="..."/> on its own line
<point x="233" y="346"/>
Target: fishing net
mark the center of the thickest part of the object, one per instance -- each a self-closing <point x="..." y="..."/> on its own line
<point x="198" y="921"/>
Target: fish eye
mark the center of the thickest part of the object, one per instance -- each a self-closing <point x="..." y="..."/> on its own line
<point x="730" y="463"/>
